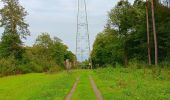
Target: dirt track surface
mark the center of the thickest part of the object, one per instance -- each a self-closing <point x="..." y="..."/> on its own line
<point x="68" y="97"/>
<point x="95" y="89"/>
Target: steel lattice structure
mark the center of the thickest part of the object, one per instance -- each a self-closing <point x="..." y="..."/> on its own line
<point x="82" y="36"/>
<point x="166" y="3"/>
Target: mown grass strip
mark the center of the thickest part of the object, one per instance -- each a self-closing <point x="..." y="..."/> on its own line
<point x="95" y="89"/>
<point x="73" y="89"/>
<point x="36" y="86"/>
<point x="84" y="90"/>
<point x="132" y="84"/>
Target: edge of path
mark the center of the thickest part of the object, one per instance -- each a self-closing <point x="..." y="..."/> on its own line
<point x="95" y="89"/>
<point x="69" y="95"/>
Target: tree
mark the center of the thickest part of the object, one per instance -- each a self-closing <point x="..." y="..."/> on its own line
<point x="162" y="25"/>
<point x="121" y="18"/>
<point x="50" y="50"/>
<point x="148" y="34"/>
<point x="15" y="28"/>
<point x="44" y="40"/>
<point x="154" y="32"/>
<point x="107" y="49"/>
<point x="127" y="28"/>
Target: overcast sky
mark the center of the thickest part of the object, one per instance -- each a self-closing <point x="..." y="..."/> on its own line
<point x="58" y="17"/>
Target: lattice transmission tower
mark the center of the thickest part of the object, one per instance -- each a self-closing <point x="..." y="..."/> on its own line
<point x="82" y="35"/>
<point x="166" y="3"/>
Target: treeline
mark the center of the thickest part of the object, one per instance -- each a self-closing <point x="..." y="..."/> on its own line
<point x="124" y="39"/>
<point x="47" y="54"/>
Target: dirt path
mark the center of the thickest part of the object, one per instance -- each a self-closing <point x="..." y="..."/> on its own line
<point x="68" y="97"/>
<point x="95" y="89"/>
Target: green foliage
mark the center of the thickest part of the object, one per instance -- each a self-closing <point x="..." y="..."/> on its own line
<point x="12" y="20"/>
<point x="165" y="64"/>
<point x="15" y="28"/>
<point x="163" y="23"/>
<point x="123" y="83"/>
<point x="124" y="38"/>
<point x="46" y="55"/>
<point x="69" y="55"/>
<point x="106" y="49"/>
<point x="8" y="66"/>
<point x="10" y="45"/>
<point x="30" y="67"/>
<point x="55" y="69"/>
<point x="52" y="52"/>
<point x="37" y="86"/>
<point x="136" y="64"/>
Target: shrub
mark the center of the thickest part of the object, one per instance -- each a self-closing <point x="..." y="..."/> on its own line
<point x="30" y="67"/>
<point x="55" y="69"/>
<point x="136" y="64"/>
<point x="118" y="65"/>
<point x="165" y="64"/>
<point x="8" y="66"/>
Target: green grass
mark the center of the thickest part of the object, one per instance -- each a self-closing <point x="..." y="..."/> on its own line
<point x="126" y="84"/>
<point x="84" y="90"/>
<point x="36" y="86"/>
<point x="114" y="84"/>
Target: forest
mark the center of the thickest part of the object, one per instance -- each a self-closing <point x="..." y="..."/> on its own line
<point x="47" y="53"/>
<point x="124" y="39"/>
<point x="129" y="60"/>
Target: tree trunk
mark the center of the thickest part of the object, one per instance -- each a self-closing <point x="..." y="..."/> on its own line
<point x="126" y="59"/>
<point x="154" y="32"/>
<point x="148" y="34"/>
<point x="125" y="55"/>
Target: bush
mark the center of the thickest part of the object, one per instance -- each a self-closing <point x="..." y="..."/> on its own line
<point x="30" y="67"/>
<point x="8" y="66"/>
<point x="136" y="64"/>
<point x="11" y="66"/>
<point x="165" y="64"/>
<point x="118" y="65"/>
<point x="55" y="69"/>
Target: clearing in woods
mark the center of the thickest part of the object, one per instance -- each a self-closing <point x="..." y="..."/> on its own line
<point x="112" y="84"/>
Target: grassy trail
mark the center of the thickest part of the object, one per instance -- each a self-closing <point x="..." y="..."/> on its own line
<point x="84" y="90"/>
<point x="36" y="86"/>
<point x="114" y="84"/>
